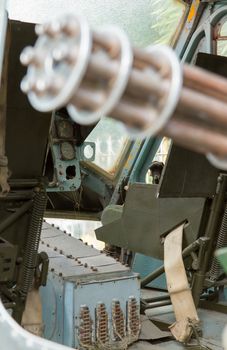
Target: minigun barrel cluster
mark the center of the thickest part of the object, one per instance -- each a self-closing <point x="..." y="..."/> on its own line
<point x="98" y="73"/>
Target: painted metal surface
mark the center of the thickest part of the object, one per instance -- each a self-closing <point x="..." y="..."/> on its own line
<point x="80" y="275"/>
<point x="143" y="265"/>
<point x="72" y="182"/>
<point x="204" y="31"/>
<point x="187" y="29"/>
<point x="145" y="218"/>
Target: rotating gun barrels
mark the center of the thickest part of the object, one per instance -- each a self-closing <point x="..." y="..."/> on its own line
<point x="98" y="73"/>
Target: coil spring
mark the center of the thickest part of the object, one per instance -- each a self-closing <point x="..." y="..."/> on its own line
<point x="32" y="244"/>
<point x="216" y="269"/>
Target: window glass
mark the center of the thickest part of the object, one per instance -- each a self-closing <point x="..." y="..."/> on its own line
<point x="223" y="32"/>
<point x="166" y="16"/>
<point x="146" y="22"/>
<point x="110" y="140"/>
<point x="163" y="150"/>
<point x="222" y="40"/>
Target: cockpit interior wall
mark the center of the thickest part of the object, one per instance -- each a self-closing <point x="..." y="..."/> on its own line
<point x="27" y="130"/>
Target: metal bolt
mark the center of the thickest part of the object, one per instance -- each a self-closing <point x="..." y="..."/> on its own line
<point x="26" y="85"/>
<point x="40" y="86"/>
<point x="50" y="29"/>
<point x="70" y="27"/>
<point x="27" y="55"/>
<point x="60" y="53"/>
<point x="39" y="29"/>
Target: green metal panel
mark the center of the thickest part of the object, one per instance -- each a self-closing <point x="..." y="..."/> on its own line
<point x="145" y="218"/>
<point x="221" y="254"/>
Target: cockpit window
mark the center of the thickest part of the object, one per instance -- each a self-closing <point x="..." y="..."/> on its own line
<point x="111" y="141"/>
<point x="147" y="22"/>
<point x="166" y="17"/>
<point x="222" y="38"/>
